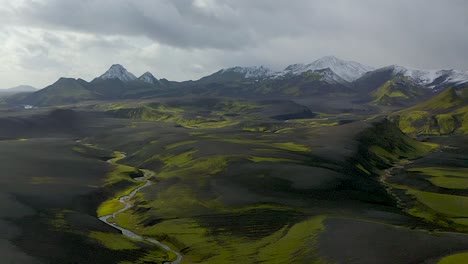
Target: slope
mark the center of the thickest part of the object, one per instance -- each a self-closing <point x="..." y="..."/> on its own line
<point x="443" y="114"/>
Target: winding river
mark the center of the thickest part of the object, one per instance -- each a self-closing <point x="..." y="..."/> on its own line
<point x="126" y="201"/>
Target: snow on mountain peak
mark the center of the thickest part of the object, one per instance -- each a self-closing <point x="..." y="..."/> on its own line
<point x="347" y="70"/>
<point x="427" y="77"/>
<point x="251" y="72"/>
<point x="147" y="77"/>
<point x="117" y="71"/>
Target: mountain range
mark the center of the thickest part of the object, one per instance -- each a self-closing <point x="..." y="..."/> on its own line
<point x="327" y="76"/>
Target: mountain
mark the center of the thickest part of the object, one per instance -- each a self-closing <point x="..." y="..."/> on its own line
<point x="20" y="89"/>
<point x="433" y="79"/>
<point x="353" y="82"/>
<point x="116" y="83"/>
<point x="117" y="71"/>
<point x="443" y="114"/>
<point x="346" y="70"/>
<point x="399" y="91"/>
<point x="147" y="77"/>
<point x="16" y="90"/>
<point x="238" y="73"/>
<point x="63" y="91"/>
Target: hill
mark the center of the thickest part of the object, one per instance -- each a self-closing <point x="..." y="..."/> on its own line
<point x="443" y="114"/>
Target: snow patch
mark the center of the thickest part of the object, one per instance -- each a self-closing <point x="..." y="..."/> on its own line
<point x="117" y="71"/>
<point x="347" y="70"/>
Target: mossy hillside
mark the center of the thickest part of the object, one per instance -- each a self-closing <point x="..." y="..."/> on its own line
<point x="449" y="178"/>
<point x="197" y="114"/>
<point x="182" y="208"/>
<point x="296" y="243"/>
<point x="449" y="205"/>
<point x="450" y="98"/>
<point x="455" y="259"/>
<point x="188" y="191"/>
<point x="446" y="210"/>
<point x="383" y="143"/>
<point x="398" y="91"/>
<point x="443" y="114"/>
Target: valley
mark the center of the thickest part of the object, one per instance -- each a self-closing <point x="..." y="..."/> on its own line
<point x="319" y="164"/>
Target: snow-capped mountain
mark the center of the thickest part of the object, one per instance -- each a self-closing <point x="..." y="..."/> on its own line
<point x="117" y="71"/>
<point x="147" y="77"/>
<point x="431" y="78"/>
<point x="347" y="70"/>
<point x="250" y="72"/>
<point x="329" y="76"/>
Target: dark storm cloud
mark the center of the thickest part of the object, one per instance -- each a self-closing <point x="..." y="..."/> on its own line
<point x="418" y="33"/>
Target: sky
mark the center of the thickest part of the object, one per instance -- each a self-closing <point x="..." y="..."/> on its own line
<point x="42" y="40"/>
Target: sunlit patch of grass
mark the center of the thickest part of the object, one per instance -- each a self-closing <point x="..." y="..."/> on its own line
<point x="451" y="178"/>
<point x="269" y="159"/>
<point x="359" y="166"/>
<point x="179" y="144"/>
<point x="455" y="259"/>
<point x="314" y="122"/>
<point x="291" y="146"/>
<point x="449" y="205"/>
<point x="113" y="241"/>
<point x="243" y="141"/>
<point x="290" y="244"/>
<point x="109" y="207"/>
<point x="296" y="245"/>
<point x="120" y="172"/>
<point x="254" y="129"/>
<point x="174" y="160"/>
<point x="450" y="182"/>
<point x="442" y="172"/>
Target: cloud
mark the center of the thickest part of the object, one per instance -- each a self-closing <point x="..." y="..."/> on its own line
<point x="186" y="39"/>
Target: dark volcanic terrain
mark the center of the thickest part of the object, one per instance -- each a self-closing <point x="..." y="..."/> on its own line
<point x="301" y="168"/>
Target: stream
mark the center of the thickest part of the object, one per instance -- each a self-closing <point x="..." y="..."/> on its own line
<point x="126" y="201"/>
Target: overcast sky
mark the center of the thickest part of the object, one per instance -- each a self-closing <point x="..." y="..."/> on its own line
<point x="42" y="40"/>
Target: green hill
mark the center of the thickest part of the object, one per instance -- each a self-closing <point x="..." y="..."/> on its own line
<point x="443" y="114"/>
<point x="398" y="91"/>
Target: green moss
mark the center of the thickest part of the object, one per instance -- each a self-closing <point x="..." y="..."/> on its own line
<point x="291" y="146"/>
<point x="447" y="123"/>
<point x="451" y="178"/>
<point x="296" y="245"/>
<point x="447" y="99"/>
<point x="108" y="207"/>
<point x="450" y="183"/>
<point x="294" y="90"/>
<point x="359" y="166"/>
<point x="448" y="205"/>
<point x="455" y="259"/>
<point x="291" y="244"/>
<point x="179" y="144"/>
<point x="442" y="172"/>
<point x="269" y="159"/>
<point x="243" y="141"/>
<point x="119" y="172"/>
<point x="384" y="154"/>
<point x="113" y="241"/>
